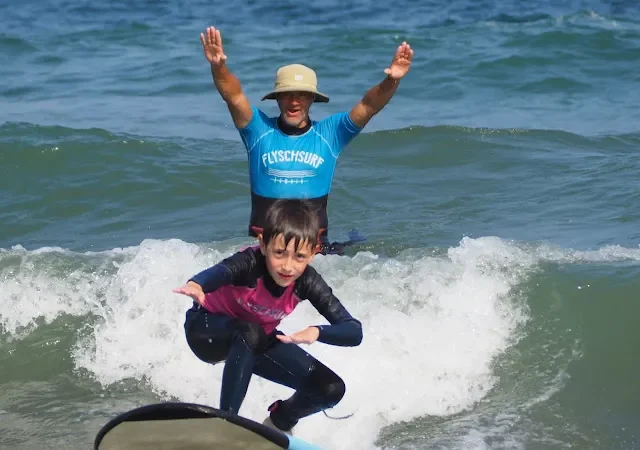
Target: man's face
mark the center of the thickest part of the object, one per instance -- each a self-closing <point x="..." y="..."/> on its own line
<point x="294" y="107"/>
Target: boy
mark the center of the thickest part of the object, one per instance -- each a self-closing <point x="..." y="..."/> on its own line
<point x="239" y="302"/>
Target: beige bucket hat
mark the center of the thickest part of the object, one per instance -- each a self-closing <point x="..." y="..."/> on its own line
<point x="296" y="77"/>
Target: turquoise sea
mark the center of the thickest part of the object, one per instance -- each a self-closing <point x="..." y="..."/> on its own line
<point x="499" y="191"/>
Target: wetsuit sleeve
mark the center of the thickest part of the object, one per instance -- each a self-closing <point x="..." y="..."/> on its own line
<point x="228" y="271"/>
<point x="345" y="330"/>
<point x="255" y="130"/>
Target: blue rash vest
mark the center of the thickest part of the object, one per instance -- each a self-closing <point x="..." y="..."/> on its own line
<point x="288" y="166"/>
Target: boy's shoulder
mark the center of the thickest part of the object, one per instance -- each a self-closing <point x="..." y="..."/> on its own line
<point x="245" y="260"/>
<point x="310" y="273"/>
<point x="311" y="283"/>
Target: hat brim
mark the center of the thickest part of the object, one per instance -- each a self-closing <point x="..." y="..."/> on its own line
<point x="319" y="96"/>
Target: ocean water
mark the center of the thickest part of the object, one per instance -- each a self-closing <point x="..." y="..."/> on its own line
<point x="499" y="192"/>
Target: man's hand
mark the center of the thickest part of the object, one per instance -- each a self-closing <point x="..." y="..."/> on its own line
<point x="401" y="62"/>
<point x="307" y="336"/>
<point x="212" y="46"/>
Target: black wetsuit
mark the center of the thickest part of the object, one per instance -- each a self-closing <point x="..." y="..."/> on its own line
<point x="248" y="348"/>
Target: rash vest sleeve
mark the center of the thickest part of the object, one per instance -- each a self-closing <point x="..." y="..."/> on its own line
<point x="228" y="271"/>
<point x="345" y="330"/>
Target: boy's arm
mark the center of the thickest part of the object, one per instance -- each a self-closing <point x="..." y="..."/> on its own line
<point x="212" y="278"/>
<point x="345" y="330"/>
<point x="225" y="272"/>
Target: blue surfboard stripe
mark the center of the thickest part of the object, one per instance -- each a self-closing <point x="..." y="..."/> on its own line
<point x="298" y="444"/>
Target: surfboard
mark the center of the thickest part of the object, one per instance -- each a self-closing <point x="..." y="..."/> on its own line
<point x="182" y="426"/>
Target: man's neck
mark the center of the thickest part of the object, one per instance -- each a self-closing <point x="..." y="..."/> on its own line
<point x="290" y="129"/>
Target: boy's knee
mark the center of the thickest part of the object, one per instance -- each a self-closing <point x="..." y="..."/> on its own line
<point x="327" y="385"/>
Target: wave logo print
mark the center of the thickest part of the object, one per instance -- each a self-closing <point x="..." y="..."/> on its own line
<point x="291" y="156"/>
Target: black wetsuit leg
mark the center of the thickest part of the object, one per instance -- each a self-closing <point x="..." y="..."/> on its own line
<point x="247" y="349"/>
<point x="214" y="338"/>
<point x="317" y="387"/>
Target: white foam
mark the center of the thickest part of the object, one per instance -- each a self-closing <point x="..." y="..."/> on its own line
<point x="48" y="282"/>
<point x="432" y="327"/>
<point x="608" y="253"/>
<point x="433" y="324"/>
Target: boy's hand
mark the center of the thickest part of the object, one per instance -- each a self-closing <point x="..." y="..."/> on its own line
<point x="307" y="336"/>
<point x="193" y="290"/>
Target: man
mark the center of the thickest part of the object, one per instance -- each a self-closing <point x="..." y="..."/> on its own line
<point x="292" y="156"/>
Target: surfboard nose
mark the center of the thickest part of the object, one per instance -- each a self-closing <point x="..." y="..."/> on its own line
<point x="189" y="426"/>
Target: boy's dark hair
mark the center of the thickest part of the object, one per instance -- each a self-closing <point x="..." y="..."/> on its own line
<point x="294" y="219"/>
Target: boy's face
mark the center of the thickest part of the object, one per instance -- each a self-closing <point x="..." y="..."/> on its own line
<point x="286" y="263"/>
